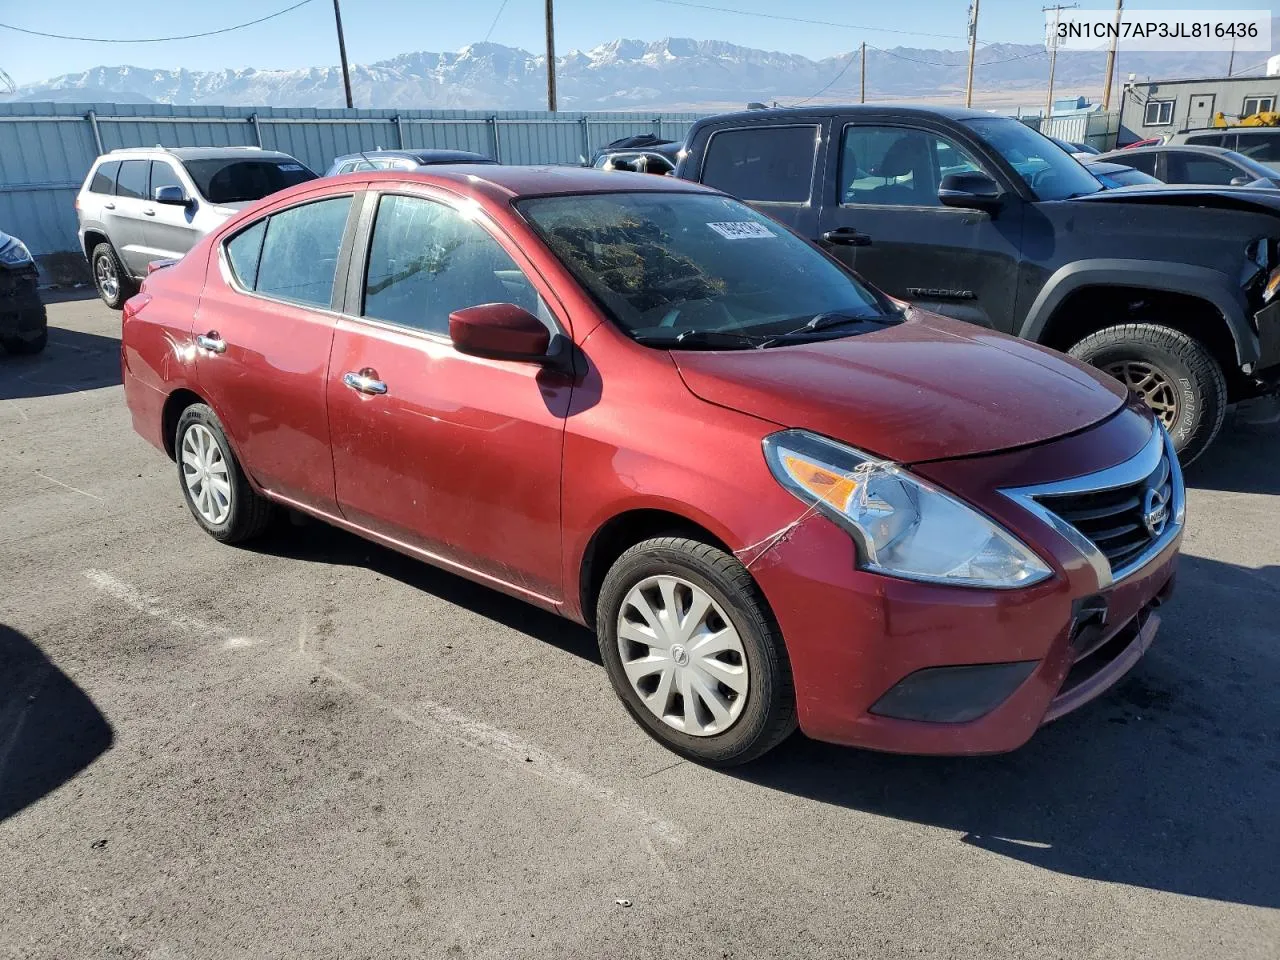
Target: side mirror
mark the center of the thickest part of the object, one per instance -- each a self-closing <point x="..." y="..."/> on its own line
<point x="971" y="189"/>
<point x="501" y="331"/>
<point x="173" y="196"/>
<point x="1240" y="181"/>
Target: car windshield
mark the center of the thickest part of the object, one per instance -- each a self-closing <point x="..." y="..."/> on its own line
<point x="1050" y="172"/>
<point x="699" y="271"/>
<point x="235" y="180"/>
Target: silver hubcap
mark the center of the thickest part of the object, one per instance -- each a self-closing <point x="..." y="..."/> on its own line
<point x="105" y="272"/>
<point x="204" y="470"/>
<point x="682" y="656"/>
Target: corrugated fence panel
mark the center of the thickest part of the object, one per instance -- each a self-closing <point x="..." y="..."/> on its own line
<point x="46" y="149"/>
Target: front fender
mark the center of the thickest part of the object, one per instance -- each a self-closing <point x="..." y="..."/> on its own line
<point x="1203" y="283"/>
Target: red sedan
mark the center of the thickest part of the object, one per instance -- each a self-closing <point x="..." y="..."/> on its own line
<point x="778" y="496"/>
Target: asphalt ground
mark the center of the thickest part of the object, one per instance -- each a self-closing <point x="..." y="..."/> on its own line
<point x="315" y="747"/>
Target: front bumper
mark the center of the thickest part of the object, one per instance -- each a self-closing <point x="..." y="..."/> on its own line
<point x="22" y="314"/>
<point x="871" y="656"/>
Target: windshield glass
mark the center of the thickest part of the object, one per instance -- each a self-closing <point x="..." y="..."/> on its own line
<point x="235" y="180"/>
<point x="1050" y="172"/>
<point x="688" y="270"/>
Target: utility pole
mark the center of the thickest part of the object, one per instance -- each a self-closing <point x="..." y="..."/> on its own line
<point x="342" y="53"/>
<point x="973" y="49"/>
<point x="1053" y="51"/>
<point x="1111" y="59"/>
<point x="1231" y="63"/>
<point x="862" y="56"/>
<point x="551" y="57"/>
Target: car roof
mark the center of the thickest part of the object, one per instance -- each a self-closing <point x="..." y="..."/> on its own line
<point x="505" y="183"/>
<point x="421" y="156"/>
<point x="826" y="110"/>
<point x="199" y="153"/>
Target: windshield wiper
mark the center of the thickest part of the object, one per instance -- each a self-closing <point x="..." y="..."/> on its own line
<point x="705" y="339"/>
<point x="837" y="318"/>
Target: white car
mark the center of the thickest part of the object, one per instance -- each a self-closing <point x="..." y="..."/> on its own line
<point x="144" y="204"/>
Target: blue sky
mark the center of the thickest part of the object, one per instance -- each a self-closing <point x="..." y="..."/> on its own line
<point x="379" y="29"/>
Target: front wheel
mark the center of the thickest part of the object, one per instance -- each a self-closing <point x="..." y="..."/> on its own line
<point x="694" y="653"/>
<point x="1175" y="374"/>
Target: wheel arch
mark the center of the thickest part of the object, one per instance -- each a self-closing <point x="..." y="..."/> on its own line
<point x="624" y="530"/>
<point x="174" y="404"/>
<point x="1231" y="337"/>
<point x="92" y="237"/>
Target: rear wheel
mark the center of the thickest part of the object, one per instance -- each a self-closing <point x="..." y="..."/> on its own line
<point x="213" y="484"/>
<point x="694" y="653"/>
<point x="115" y="286"/>
<point x="1175" y="375"/>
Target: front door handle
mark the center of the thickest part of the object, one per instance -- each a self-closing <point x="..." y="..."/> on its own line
<point x="108" y="206"/>
<point x="149" y="212"/>
<point x="212" y="342"/>
<point x="847" y="237"/>
<point x="366" y="381"/>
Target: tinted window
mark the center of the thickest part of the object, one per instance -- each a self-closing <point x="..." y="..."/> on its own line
<point x="243" y="253"/>
<point x="1189" y="168"/>
<point x="1125" y="178"/>
<point x="1050" y="172"/>
<point x="163" y="175"/>
<point x="896" y="165"/>
<point x="767" y="163"/>
<point x="300" y="252"/>
<point x="1209" y="140"/>
<point x="426" y="260"/>
<point x="104" y="178"/>
<point x="670" y="265"/>
<point x="132" y="181"/>
<point x="1146" y="162"/>
<point x="237" y="180"/>
<point x="1262" y="147"/>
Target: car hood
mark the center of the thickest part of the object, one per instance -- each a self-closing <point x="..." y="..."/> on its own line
<point x="927" y="389"/>
<point x="1258" y="199"/>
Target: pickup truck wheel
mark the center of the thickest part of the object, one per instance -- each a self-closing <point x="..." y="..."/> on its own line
<point x="17" y="345"/>
<point x="115" y="286"/>
<point x="694" y="653"/>
<point x="1175" y="374"/>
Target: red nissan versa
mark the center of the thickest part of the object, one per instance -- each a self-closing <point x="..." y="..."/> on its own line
<point x="777" y="495"/>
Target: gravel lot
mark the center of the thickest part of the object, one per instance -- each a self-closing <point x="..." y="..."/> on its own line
<point x="319" y="748"/>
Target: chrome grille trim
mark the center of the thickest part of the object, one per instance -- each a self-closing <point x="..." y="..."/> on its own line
<point x="1133" y="471"/>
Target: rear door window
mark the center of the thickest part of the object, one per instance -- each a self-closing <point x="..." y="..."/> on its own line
<point x="767" y="164"/>
<point x="132" y="181"/>
<point x="104" y="178"/>
<point x="300" y="252"/>
<point x="244" y="251"/>
<point x="1193" y="168"/>
<point x="1146" y="162"/>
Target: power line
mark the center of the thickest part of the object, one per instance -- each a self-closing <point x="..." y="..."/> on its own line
<point x="187" y="36"/>
<point x="938" y="63"/>
<point x="818" y="23"/>
<point x="843" y="70"/>
<point x="496" y="17"/>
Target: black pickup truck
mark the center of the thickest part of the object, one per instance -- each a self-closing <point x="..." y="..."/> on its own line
<point x="978" y="217"/>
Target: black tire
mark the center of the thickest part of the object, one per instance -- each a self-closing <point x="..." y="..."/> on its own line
<point x="125" y="285"/>
<point x="16" y="346"/>
<point x="249" y="512"/>
<point x="1193" y="377"/>
<point x="768" y="715"/>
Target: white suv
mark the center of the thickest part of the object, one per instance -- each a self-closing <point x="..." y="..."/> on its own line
<point x="140" y="205"/>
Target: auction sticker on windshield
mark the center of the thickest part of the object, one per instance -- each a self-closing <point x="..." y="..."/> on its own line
<point x="741" y="230"/>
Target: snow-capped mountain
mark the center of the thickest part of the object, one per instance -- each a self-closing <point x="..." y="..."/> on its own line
<point x="620" y="75"/>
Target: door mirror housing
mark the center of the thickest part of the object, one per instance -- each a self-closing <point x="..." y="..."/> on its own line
<point x="971" y="189"/>
<point x="1240" y="181"/>
<point x="500" y="331"/>
<point x="171" y="195"/>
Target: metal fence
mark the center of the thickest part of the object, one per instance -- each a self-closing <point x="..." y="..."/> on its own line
<point x="46" y="149"/>
<point x="1098" y="129"/>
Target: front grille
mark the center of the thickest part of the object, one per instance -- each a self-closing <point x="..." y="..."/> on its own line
<point x="1116" y="520"/>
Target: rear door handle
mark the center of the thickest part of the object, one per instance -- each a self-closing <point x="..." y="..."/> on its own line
<point x="366" y="381"/>
<point x="212" y="342"/>
<point x="847" y="237"/>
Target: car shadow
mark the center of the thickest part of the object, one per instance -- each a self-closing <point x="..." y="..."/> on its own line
<point x="1244" y="457"/>
<point x="73" y="361"/>
<point x="1169" y="782"/>
<point x="306" y="539"/>
<point x="49" y="728"/>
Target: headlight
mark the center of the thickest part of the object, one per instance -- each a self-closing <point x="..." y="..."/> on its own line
<point x="904" y="526"/>
<point x="13" y="252"/>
